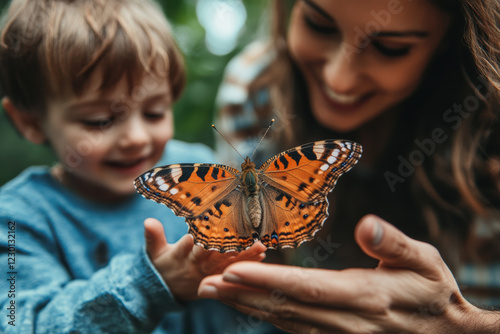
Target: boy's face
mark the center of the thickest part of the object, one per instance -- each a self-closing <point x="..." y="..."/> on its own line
<point x="105" y="140"/>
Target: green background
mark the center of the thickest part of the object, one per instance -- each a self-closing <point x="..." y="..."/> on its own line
<point x="193" y="112"/>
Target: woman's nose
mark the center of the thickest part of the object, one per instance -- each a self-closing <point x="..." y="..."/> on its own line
<point x="342" y="71"/>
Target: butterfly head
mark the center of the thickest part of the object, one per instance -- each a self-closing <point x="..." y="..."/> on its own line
<point x="247" y="164"/>
<point x="249" y="177"/>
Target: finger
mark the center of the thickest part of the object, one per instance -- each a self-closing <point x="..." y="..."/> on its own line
<point x="154" y="234"/>
<point x="290" y="280"/>
<point x="213" y="262"/>
<point x="256" y="248"/>
<point x="350" y="289"/>
<point x="394" y="249"/>
<point x="256" y="251"/>
<point x="184" y="246"/>
<point x="286" y="312"/>
<point x="216" y="263"/>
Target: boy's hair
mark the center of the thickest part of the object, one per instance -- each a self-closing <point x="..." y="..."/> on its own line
<point x="47" y="45"/>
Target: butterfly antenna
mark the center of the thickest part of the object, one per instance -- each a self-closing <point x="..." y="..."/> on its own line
<point x="263" y="136"/>
<point x="234" y="148"/>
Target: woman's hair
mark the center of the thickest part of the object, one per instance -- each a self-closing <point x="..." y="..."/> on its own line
<point x="459" y="179"/>
<point x="49" y="45"/>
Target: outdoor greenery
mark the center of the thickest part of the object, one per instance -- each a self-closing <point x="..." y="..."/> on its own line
<point x="193" y="113"/>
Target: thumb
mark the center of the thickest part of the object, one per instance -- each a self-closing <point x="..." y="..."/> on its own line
<point x="393" y="248"/>
<point x="154" y="234"/>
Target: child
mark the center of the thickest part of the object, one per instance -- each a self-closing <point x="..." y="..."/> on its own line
<point x="95" y="80"/>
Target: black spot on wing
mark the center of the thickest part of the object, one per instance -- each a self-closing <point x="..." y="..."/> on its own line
<point x="284" y="161"/>
<point x="308" y="152"/>
<point x="295" y="156"/>
<point x="196" y="200"/>
<point x="276" y="164"/>
<point x="218" y="206"/>
<point x="215" y="173"/>
<point x="163" y="172"/>
<point x="280" y="196"/>
<point x="202" y="172"/>
<point x="219" y="211"/>
<point x="186" y="173"/>
<point x="302" y="186"/>
<point x="326" y="153"/>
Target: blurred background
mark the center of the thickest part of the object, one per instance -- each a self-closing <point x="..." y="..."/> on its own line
<point x="209" y="33"/>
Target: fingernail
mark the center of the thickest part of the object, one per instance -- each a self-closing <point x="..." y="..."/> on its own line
<point x="208" y="291"/>
<point x="378" y="233"/>
<point x="228" y="277"/>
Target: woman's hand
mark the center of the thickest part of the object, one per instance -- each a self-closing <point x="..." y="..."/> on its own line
<point x="411" y="291"/>
<point x="183" y="265"/>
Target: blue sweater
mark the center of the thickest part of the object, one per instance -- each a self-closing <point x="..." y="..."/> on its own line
<point x="72" y="265"/>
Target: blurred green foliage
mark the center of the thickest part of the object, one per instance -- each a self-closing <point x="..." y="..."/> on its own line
<point x="193" y="112"/>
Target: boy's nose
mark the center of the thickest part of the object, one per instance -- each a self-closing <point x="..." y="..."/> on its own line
<point x="134" y="134"/>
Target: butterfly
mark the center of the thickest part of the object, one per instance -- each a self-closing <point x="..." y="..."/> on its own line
<point x="282" y="204"/>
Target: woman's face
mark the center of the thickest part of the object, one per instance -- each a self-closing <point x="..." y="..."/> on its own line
<point x="361" y="57"/>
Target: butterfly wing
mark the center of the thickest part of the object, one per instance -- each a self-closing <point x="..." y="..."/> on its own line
<point x="208" y="196"/>
<point x="295" y="186"/>
<point x="222" y="227"/>
<point x="187" y="189"/>
<point x="310" y="171"/>
<point x="287" y="221"/>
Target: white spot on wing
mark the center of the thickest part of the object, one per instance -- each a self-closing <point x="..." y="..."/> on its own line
<point x="174" y="191"/>
<point x="324" y="167"/>
<point x="331" y="159"/>
<point x="318" y="150"/>
<point x="163" y="187"/>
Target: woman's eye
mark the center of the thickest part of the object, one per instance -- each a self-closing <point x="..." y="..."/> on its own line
<point x="319" y="28"/>
<point x="390" y="52"/>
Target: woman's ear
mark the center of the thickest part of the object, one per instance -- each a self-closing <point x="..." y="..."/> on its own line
<point x="26" y="123"/>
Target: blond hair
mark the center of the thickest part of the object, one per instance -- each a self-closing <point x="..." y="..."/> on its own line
<point x="47" y="45"/>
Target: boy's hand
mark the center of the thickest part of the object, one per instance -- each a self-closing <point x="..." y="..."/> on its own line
<point x="183" y="265"/>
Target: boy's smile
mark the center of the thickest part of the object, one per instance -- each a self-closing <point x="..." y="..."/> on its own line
<point x="104" y="140"/>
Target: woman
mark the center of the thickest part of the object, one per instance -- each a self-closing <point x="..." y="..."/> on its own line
<point x="417" y="83"/>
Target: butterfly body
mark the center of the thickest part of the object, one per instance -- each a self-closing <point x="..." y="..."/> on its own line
<point x="282" y="204"/>
<point x="250" y="184"/>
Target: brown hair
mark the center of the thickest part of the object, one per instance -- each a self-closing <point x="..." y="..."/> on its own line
<point x="47" y="44"/>
<point x="460" y="180"/>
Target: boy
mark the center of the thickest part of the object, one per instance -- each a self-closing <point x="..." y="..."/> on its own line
<point x="95" y="80"/>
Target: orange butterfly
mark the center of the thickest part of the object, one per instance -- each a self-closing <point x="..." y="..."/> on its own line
<point x="282" y="204"/>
